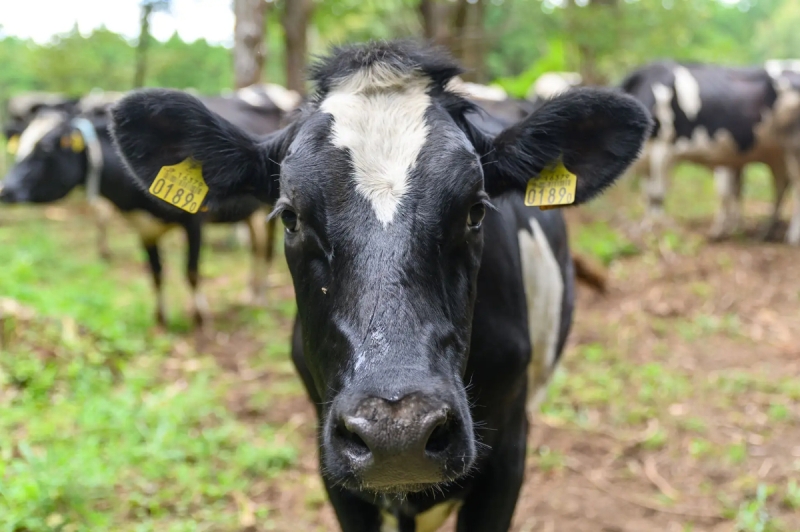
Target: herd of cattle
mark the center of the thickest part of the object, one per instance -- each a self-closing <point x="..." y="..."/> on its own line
<point x="433" y="304"/>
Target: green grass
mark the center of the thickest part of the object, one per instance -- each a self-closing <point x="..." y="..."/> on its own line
<point x="98" y="430"/>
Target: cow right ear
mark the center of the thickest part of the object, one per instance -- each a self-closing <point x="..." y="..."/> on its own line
<point x="154" y="128"/>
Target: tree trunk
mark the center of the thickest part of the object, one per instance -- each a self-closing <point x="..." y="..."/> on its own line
<point x="435" y="16"/>
<point x="473" y="43"/>
<point x="296" y="16"/>
<point x="141" y="46"/>
<point x="248" y="41"/>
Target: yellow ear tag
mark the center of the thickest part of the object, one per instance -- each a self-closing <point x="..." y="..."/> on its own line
<point x="65" y="142"/>
<point x="78" y="145"/>
<point x="181" y="185"/>
<point x="553" y="187"/>
<point x="13" y="145"/>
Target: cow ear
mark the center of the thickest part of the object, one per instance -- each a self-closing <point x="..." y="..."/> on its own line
<point x="154" y="128"/>
<point x="596" y="133"/>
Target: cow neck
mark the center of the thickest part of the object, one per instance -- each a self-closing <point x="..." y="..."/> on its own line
<point x="94" y="157"/>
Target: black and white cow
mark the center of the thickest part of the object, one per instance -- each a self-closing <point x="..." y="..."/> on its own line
<point x="720" y="117"/>
<point x="59" y="151"/>
<point x="432" y="304"/>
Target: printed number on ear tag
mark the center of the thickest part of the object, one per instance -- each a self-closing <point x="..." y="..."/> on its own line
<point x="553" y="187"/>
<point x="181" y="185"/>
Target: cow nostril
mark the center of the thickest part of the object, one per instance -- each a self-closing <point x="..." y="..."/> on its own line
<point x="351" y="439"/>
<point x="441" y="437"/>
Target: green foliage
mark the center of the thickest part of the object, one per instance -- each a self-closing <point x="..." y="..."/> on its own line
<point x="753" y="515"/>
<point x="523" y="40"/>
<point x="75" y="64"/>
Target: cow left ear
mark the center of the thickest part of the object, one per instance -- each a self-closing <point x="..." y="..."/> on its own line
<point x="596" y="133"/>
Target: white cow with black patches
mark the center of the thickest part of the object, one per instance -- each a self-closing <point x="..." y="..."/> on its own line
<point x="720" y="117"/>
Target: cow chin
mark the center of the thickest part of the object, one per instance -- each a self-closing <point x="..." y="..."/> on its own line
<point x="407" y="443"/>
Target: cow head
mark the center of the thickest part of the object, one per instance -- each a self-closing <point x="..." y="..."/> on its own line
<point x="382" y="185"/>
<point x="49" y="162"/>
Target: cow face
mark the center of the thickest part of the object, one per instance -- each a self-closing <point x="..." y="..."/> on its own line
<point x="48" y="164"/>
<point x="382" y="185"/>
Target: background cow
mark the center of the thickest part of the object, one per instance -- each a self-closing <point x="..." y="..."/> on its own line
<point x="408" y="288"/>
<point x="59" y="151"/>
<point x="720" y="117"/>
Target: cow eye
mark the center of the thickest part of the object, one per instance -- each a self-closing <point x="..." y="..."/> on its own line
<point x="476" y="214"/>
<point x="289" y="219"/>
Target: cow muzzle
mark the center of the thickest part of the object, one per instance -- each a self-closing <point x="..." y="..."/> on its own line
<point x="400" y="444"/>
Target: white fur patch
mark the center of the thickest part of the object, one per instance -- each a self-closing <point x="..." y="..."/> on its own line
<point x="491" y="93"/>
<point x="544" y="292"/>
<point x="551" y="84"/>
<point x="251" y="95"/>
<point x="663" y="111"/>
<point x="379" y="117"/>
<point x="775" y="67"/>
<point x="687" y="91"/>
<point x="36" y="131"/>
<point x="286" y="100"/>
<point x="793" y="169"/>
<point x="720" y="148"/>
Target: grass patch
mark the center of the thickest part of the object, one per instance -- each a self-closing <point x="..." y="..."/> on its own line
<point x="99" y="430"/>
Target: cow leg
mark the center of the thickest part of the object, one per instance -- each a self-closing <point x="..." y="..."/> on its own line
<point x="101" y="209"/>
<point x="194" y="237"/>
<point x="154" y="261"/>
<point x="793" y="167"/>
<point x="655" y="183"/>
<point x="728" y="182"/>
<point x="780" y="183"/>
<point x="490" y="505"/>
<point x="256" y="228"/>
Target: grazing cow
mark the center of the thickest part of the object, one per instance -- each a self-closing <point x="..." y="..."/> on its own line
<point x="432" y="304"/>
<point x="59" y="152"/>
<point x="720" y="117"/>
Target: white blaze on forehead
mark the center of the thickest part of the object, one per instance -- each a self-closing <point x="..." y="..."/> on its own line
<point x="36" y="131"/>
<point x="687" y="91"/>
<point x="379" y="117"/>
